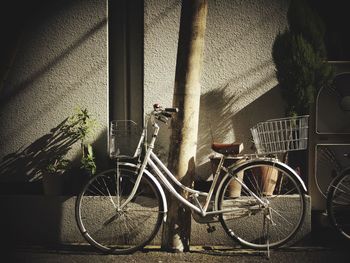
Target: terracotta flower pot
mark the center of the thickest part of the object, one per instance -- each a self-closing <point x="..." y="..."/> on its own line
<point x="234" y="189"/>
<point x="269" y="178"/>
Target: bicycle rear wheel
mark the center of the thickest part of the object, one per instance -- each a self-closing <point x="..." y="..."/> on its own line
<point x="117" y="230"/>
<point x="338" y="204"/>
<point x="261" y="226"/>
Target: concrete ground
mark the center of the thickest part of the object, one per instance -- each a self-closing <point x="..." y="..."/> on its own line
<point x="70" y="255"/>
<point x="323" y="245"/>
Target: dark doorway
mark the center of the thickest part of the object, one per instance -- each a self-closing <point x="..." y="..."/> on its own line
<point x="126" y="60"/>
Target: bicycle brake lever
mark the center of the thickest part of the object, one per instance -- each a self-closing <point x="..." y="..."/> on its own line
<point x="166" y="114"/>
<point x="162" y="118"/>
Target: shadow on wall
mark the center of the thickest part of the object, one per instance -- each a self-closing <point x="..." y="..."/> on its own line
<point x="48" y="218"/>
<point x="8" y="95"/>
<point x="219" y="105"/>
<point x="214" y="123"/>
<point x="34" y="219"/>
<point x="29" y="163"/>
<point x="31" y="89"/>
<point x="16" y="18"/>
<point x="26" y="166"/>
<point x="219" y="123"/>
<point x="214" y="119"/>
<point x="268" y="106"/>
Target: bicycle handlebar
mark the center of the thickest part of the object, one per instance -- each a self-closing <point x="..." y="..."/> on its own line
<point x="173" y="110"/>
<point x="163" y="114"/>
<point x="158" y="107"/>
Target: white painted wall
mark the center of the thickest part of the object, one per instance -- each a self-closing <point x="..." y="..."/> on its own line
<point x="238" y="77"/>
<point x="61" y="63"/>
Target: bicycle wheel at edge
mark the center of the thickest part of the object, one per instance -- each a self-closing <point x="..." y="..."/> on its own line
<point x="110" y="229"/>
<point x="251" y="224"/>
<point x="338" y="204"/>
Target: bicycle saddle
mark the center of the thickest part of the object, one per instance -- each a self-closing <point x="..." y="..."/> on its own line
<point x="227" y="148"/>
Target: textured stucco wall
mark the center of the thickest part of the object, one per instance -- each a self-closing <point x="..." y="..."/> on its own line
<point x="60" y="64"/>
<point x="238" y="75"/>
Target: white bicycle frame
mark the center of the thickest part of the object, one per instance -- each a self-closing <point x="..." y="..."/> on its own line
<point x="156" y="164"/>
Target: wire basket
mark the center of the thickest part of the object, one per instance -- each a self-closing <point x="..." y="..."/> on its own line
<point x="124" y="137"/>
<point x="281" y="135"/>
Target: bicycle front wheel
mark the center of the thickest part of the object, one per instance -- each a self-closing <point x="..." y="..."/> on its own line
<point x="107" y="225"/>
<point x="338" y="204"/>
<point x="267" y="210"/>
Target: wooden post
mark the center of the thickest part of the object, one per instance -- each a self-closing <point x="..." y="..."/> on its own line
<point x="177" y="230"/>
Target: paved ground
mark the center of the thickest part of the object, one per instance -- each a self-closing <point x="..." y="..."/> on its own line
<point x="74" y="255"/>
<point x="321" y="246"/>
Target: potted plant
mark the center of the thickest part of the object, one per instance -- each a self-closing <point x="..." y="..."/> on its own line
<point x="299" y="55"/>
<point x="88" y="160"/>
<point x="76" y="128"/>
<point x="81" y="126"/>
<point x="234" y="189"/>
<point x="269" y="177"/>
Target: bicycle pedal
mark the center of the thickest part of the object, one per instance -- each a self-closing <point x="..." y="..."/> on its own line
<point x="211" y="229"/>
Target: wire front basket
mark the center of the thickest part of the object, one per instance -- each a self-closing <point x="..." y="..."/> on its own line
<point x="281" y="135"/>
<point x="124" y="137"/>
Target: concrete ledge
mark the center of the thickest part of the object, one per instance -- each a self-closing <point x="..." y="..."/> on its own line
<point x="51" y="220"/>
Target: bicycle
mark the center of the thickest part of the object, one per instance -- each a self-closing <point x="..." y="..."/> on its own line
<point x="120" y="211"/>
<point x="337" y="194"/>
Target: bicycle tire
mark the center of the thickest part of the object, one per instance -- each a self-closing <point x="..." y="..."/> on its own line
<point x="338" y="204"/>
<point x="124" y="231"/>
<point x="250" y="224"/>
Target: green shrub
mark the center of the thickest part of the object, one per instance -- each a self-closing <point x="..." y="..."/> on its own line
<point x="300" y="59"/>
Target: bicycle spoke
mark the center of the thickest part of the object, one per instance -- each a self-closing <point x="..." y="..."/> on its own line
<point x="338" y="204"/>
<point x="98" y="191"/>
<point x="285" y="209"/>
<point x="281" y="216"/>
<point x="116" y="231"/>
<point x="109" y="194"/>
<point x="286" y="193"/>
